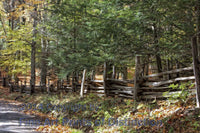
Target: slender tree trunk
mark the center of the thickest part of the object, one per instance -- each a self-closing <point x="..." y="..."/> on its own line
<point x="109" y="69"/>
<point x="33" y="66"/>
<point x="196" y="70"/>
<point x="44" y="67"/>
<point x="43" y="64"/>
<point x="33" y="50"/>
<point x="12" y="6"/>
<point x="44" y="44"/>
<point x="168" y="69"/>
<point x="177" y="67"/>
<point x="159" y="63"/>
<point x="158" y="58"/>
<point x="198" y="26"/>
<point x="3" y="25"/>
<point x="73" y="82"/>
<point x="147" y="66"/>
<point x="125" y="73"/>
<point x="93" y="75"/>
<point x="117" y="77"/>
<point x="114" y="72"/>
<point x="77" y="76"/>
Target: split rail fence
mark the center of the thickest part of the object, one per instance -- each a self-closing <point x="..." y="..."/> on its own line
<point x="141" y="87"/>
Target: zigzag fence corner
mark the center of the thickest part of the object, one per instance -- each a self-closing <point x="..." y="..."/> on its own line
<point x="149" y="87"/>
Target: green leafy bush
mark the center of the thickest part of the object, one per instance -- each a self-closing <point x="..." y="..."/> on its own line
<point x="180" y="95"/>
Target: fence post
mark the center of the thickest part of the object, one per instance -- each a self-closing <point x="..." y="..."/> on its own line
<point x="83" y="83"/>
<point x="104" y="78"/>
<point x="137" y="77"/>
<point x="93" y="75"/>
<point x="196" y="69"/>
<point x="114" y="72"/>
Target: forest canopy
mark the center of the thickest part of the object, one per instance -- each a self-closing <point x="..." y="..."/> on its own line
<point x="70" y="35"/>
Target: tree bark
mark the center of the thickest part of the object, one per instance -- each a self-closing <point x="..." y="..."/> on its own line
<point x="196" y="69"/>
<point x="43" y="64"/>
<point x="159" y="63"/>
<point x="3" y="24"/>
<point x="168" y="69"/>
<point x="12" y="5"/>
<point x="109" y="69"/>
<point x="198" y="26"/>
<point x="177" y="67"/>
<point x="117" y="76"/>
<point x="44" y="46"/>
<point x="93" y="75"/>
<point x="33" y="50"/>
<point x="158" y="58"/>
<point x="125" y="73"/>
<point x="73" y="82"/>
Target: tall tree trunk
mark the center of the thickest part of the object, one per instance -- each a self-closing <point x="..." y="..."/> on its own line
<point x="198" y="26"/>
<point x="196" y="70"/>
<point x="147" y="66"/>
<point x="168" y="69"/>
<point x="109" y="70"/>
<point x="33" y="50"/>
<point x="159" y="63"/>
<point x="93" y="75"/>
<point x="73" y="82"/>
<point x="12" y="6"/>
<point x="177" y="67"/>
<point x="43" y="64"/>
<point x="158" y="58"/>
<point x="125" y="72"/>
<point x="23" y="19"/>
<point x="44" y="44"/>
<point x="117" y="76"/>
<point x="3" y="25"/>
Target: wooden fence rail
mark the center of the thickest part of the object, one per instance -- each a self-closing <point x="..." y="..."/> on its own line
<point x="147" y="88"/>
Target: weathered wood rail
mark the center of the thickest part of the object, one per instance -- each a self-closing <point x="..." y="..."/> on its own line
<point x="155" y="89"/>
<point x="147" y="86"/>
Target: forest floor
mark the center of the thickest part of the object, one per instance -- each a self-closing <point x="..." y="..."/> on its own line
<point x="66" y="112"/>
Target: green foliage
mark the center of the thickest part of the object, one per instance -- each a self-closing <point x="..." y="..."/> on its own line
<point x="15" y="55"/>
<point x="88" y="33"/>
<point x="195" y="124"/>
<point x="84" y="34"/>
<point x="181" y="95"/>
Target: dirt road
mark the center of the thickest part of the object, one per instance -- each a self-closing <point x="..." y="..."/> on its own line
<point x="11" y="120"/>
